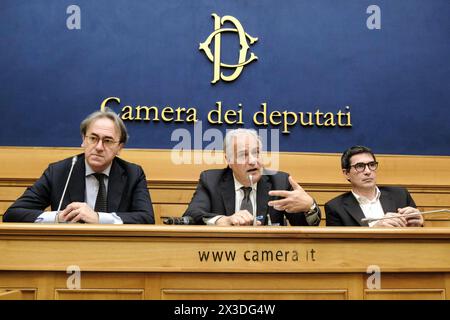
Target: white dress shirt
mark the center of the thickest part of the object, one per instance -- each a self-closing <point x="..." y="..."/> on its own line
<point x="239" y="196"/>
<point x="370" y="208"/>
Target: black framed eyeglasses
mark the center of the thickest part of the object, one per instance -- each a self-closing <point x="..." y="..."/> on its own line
<point x="107" y="142"/>
<point x="361" y="166"/>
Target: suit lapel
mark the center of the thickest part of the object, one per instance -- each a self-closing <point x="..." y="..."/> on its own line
<point x="352" y="207"/>
<point x="116" y="184"/>
<point x="387" y="203"/>
<point x="227" y="191"/>
<point x="77" y="185"/>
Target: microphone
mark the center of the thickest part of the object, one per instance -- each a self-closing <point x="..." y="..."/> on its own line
<point x="74" y="160"/>
<point x="178" y="220"/>
<point x="250" y="178"/>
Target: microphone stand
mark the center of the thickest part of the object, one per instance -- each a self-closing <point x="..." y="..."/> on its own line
<point x="250" y="177"/>
<point x="74" y="160"/>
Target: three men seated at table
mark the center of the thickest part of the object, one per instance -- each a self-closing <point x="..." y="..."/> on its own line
<point x="99" y="187"/>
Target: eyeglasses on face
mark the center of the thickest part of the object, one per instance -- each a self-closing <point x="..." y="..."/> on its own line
<point x="107" y="142"/>
<point x="245" y="155"/>
<point x="361" y="166"/>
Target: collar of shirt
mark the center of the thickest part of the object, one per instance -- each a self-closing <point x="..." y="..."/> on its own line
<point x="238" y="185"/>
<point x="89" y="170"/>
<point x="365" y="200"/>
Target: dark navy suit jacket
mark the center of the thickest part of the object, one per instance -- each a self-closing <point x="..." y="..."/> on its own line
<point x="215" y="195"/>
<point x="127" y="194"/>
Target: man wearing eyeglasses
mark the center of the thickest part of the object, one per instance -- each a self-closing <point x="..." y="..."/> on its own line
<point x="102" y="187"/>
<point x="366" y="199"/>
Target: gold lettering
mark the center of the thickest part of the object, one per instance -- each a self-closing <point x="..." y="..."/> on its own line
<point x="330" y="121"/>
<point x="318" y="114"/>
<point x="147" y="113"/>
<point x="347" y="115"/>
<point x="274" y="114"/>
<point x="217" y="112"/>
<point x="104" y="102"/>
<point x="263" y="113"/>
<point x="286" y="123"/>
<point x="179" y="110"/>
<point x="284" y="119"/>
<point x="302" y="121"/>
<point x="138" y="113"/>
<point x="339" y="118"/>
<point x="127" y="113"/>
<point x="240" y="114"/>
<point x="164" y="117"/>
<point x="229" y="114"/>
<point x="216" y="58"/>
<point x="349" y="119"/>
<point x="191" y="115"/>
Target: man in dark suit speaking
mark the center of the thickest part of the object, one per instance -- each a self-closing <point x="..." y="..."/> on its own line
<point x="366" y="200"/>
<point x="102" y="188"/>
<point x="239" y="194"/>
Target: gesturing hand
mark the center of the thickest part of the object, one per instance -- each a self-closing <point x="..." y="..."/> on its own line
<point x="296" y="200"/>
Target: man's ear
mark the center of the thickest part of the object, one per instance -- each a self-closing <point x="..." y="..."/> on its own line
<point x="346" y="172"/>
<point x="82" y="142"/>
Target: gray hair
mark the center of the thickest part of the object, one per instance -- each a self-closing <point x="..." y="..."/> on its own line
<point x="231" y="134"/>
<point x="108" y="114"/>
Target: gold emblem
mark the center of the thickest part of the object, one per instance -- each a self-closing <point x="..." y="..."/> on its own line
<point x="215" y="58"/>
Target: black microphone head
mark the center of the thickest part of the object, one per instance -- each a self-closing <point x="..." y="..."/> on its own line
<point x="178" y="220"/>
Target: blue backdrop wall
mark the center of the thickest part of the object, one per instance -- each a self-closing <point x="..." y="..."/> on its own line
<point x="388" y="71"/>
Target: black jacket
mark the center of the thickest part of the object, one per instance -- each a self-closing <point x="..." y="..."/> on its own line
<point x="215" y="195"/>
<point x="344" y="210"/>
<point x="127" y="194"/>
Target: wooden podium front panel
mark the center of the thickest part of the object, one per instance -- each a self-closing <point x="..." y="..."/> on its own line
<point x="202" y="262"/>
<point x="262" y="286"/>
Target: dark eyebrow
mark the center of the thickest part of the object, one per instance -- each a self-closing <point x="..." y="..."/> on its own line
<point x="104" y="137"/>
